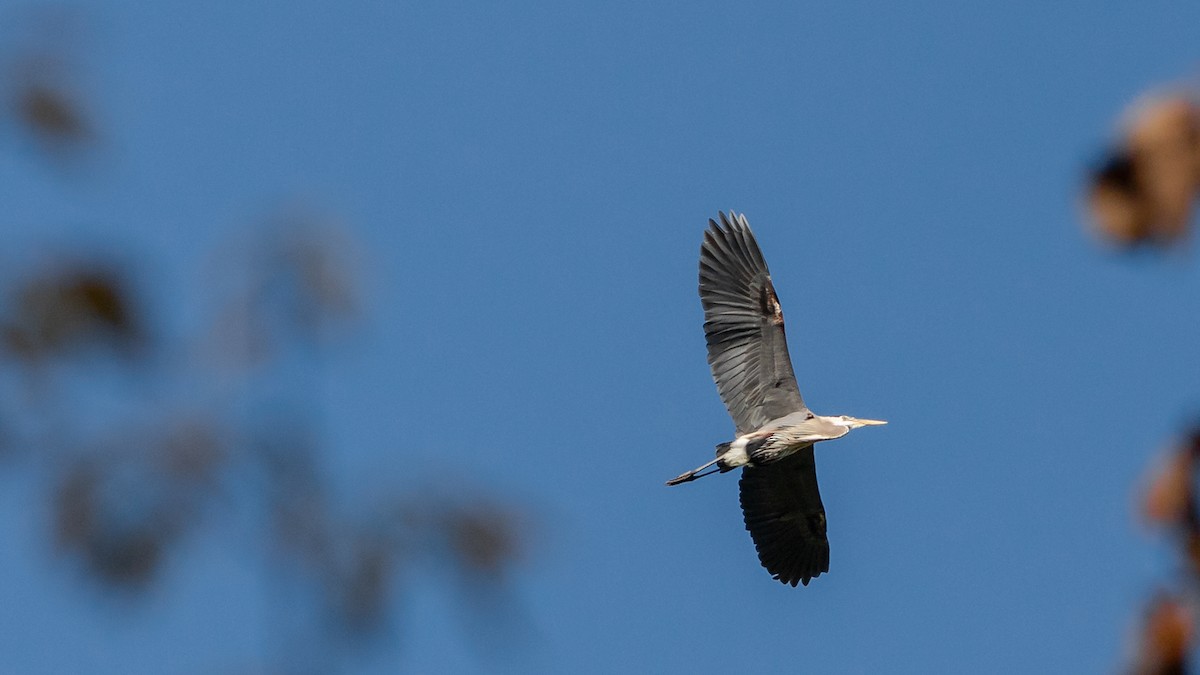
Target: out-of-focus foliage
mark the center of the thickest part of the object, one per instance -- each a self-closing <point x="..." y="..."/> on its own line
<point x="483" y="538"/>
<point x="1144" y="194"/>
<point x="1170" y="502"/>
<point x="1169" y="492"/>
<point x="1166" y="637"/>
<point x="125" y="498"/>
<point x="59" y="311"/>
<point x="293" y="284"/>
<point x="120" y="506"/>
<point x="41" y="93"/>
<point x="129" y="487"/>
<point x="50" y="111"/>
<point x="1145" y="190"/>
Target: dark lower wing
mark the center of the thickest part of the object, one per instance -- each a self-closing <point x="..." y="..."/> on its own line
<point x="784" y="515"/>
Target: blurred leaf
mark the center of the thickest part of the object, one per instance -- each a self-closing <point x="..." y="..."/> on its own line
<point x="1171" y="500"/>
<point x="1166" y="637"/>
<point x="1169" y="493"/>
<point x="314" y="257"/>
<point x="65" y="310"/>
<point x="292" y="285"/>
<point x="126" y="557"/>
<point x="118" y="547"/>
<point x="1144" y="191"/>
<point x="121" y="506"/>
<point x="1118" y="209"/>
<point x="50" y="113"/>
<point x="41" y="89"/>
<point x="484" y="538"/>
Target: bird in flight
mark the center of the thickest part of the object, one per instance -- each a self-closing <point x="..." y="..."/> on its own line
<point x="747" y="350"/>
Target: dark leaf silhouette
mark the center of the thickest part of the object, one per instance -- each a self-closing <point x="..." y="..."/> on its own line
<point x="51" y="114"/>
<point x="484" y="538"/>
<point x="65" y="310"/>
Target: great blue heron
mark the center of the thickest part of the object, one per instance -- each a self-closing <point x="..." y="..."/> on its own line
<point x="747" y="350"/>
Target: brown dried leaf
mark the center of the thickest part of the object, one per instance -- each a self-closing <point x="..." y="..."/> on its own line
<point x="1170" y="490"/>
<point x="1118" y="209"/>
<point x="1166" y="636"/>
<point x="1164" y="140"/>
<point x="1145" y="192"/>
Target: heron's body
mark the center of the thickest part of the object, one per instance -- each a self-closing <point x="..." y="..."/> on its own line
<point x="747" y="351"/>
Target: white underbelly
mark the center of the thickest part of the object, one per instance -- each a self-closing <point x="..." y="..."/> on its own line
<point x="736" y="455"/>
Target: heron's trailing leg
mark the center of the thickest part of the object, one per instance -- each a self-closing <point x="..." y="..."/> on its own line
<point x="694" y="473"/>
<point x="729" y="457"/>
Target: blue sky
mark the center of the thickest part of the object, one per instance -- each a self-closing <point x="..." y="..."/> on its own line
<point x="528" y="185"/>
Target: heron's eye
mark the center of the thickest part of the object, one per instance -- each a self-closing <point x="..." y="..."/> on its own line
<point x="810" y="416"/>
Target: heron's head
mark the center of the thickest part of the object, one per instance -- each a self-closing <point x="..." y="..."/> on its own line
<point x="828" y="427"/>
<point x="854" y="422"/>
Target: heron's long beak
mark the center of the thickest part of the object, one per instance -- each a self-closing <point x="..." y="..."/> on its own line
<point x="868" y="423"/>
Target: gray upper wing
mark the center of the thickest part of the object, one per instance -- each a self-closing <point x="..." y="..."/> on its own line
<point x="785" y="517"/>
<point x="743" y="325"/>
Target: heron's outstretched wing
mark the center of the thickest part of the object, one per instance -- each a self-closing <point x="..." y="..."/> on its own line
<point x="743" y="324"/>
<point x="784" y="515"/>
